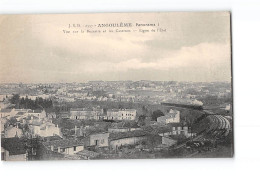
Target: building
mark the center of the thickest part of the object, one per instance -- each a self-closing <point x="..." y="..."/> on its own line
<point x="11" y="132"/>
<point x="86" y="113"/>
<point x="64" y="146"/>
<point x="4" y="104"/>
<point x="172" y="117"/>
<point x="180" y="129"/>
<point x="64" y="115"/>
<point x="52" y="115"/>
<point x="97" y="140"/>
<point x="121" y="114"/>
<point x="45" y="129"/>
<point x="8" y="113"/>
<point x="128" y="138"/>
<point x="168" y="141"/>
<point x="38" y="113"/>
<point x="13" y="149"/>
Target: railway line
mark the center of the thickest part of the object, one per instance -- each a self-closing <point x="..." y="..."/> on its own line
<point x="219" y="125"/>
<point x="217" y="128"/>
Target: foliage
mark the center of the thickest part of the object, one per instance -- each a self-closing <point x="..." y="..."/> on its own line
<point x="141" y="120"/>
<point x="156" y="114"/>
<point x="13" y="121"/>
<point x="26" y="103"/>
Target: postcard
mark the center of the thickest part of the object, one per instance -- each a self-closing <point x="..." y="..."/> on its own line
<point x="116" y="86"/>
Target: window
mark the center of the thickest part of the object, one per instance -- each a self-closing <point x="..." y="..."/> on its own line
<point x="74" y="148"/>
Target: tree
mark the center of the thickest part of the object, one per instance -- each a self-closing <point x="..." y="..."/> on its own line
<point x="26" y="128"/>
<point x="141" y="120"/>
<point x="15" y="99"/>
<point x="13" y="121"/>
<point x="144" y="110"/>
<point x="156" y="114"/>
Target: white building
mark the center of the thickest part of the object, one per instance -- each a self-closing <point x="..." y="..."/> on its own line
<point x="37" y="113"/>
<point x="64" y="146"/>
<point x="45" y="129"/>
<point x="11" y="132"/>
<point x="86" y="113"/>
<point x="121" y="114"/>
<point x="172" y="117"/>
<point x="127" y="138"/>
<point x="99" y="139"/>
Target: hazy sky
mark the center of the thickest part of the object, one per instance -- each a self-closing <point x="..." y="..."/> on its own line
<point x="195" y="47"/>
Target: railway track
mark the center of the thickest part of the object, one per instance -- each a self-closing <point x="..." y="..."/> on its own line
<point x="218" y="128"/>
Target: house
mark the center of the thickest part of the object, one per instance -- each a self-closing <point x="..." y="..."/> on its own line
<point x="4" y="104"/>
<point x="121" y="114"/>
<point x="127" y="138"/>
<point x="161" y="130"/>
<point x="64" y="115"/>
<point x="20" y="116"/>
<point x="13" y="149"/>
<point x="38" y="113"/>
<point x="64" y="146"/>
<point x="179" y="129"/>
<point x="45" y="129"/>
<point x="52" y="115"/>
<point x="168" y="141"/>
<point x="8" y="113"/>
<point x="172" y="117"/>
<point x="86" y="113"/>
<point x="97" y="140"/>
<point x="227" y="108"/>
<point x="11" y="132"/>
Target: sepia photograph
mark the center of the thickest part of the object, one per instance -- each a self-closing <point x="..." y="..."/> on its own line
<point x="103" y="86"/>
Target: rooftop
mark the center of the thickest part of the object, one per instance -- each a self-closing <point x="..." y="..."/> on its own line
<point x="6" y="110"/>
<point x="15" y="146"/>
<point x="116" y="136"/>
<point x="63" y="143"/>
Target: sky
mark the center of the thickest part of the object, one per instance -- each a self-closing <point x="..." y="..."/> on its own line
<point x="195" y="47"/>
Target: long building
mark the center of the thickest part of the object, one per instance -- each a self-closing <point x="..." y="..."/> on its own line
<point x="121" y="114"/>
<point x="86" y="113"/>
